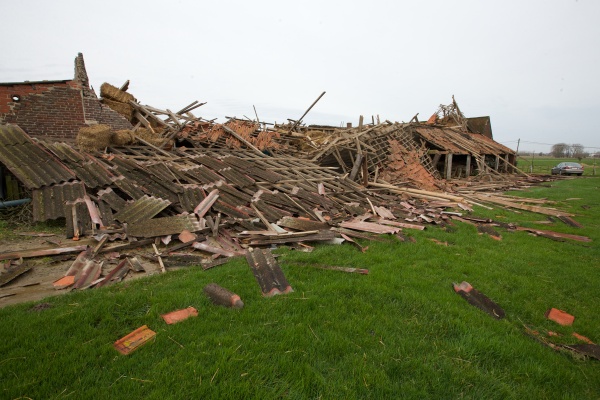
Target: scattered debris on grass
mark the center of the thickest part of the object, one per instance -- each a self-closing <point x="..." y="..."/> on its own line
<point x="267" y="272"/>
<point x="559" y="316"/>
<point x="223" y="297"/>
<point x="177" y="316"/>
<point x="134" y="340"/>
<point x="478" y="299"/>
<point x="577" y="350"/>
<point x="41" y="307"/>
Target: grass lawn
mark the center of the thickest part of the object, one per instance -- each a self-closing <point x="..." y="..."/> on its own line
<point x="399" y="331"/>
<point x="543" y="164"/>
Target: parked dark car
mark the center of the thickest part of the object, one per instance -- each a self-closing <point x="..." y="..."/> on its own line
<point x="568" y="168"/>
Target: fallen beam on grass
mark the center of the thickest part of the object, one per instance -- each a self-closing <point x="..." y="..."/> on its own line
<point x="555" y="235"/>
<point x="351" y="270"/>
<point x="519" y="206"/>
<point x="41" y="252"/>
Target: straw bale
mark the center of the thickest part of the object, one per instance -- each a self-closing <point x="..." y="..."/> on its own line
<point x="124" y="109"/>
<point x="108" y="91"/>
<point x="146" y="133"/>
<point x="158" y="142"/>
<point x="123" y="137"/>
<point x="94" y="137"/>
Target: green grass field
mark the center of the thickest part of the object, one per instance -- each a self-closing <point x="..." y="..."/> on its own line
<point x="542" y="165"/>
<point x="398" y="332"/>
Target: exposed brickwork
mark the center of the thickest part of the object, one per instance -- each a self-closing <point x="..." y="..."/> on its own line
<point x="56" y="112"/>
<point x="96" y="111"/>
<point x="56" y="109"/>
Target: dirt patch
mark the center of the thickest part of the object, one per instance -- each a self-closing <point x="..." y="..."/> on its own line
<point x="37" y="283"/>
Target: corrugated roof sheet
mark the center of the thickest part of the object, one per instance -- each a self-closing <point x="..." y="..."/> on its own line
<point x="128" y="187"/>
<point x="49" y="201"/>
<point x="65" y="152"/>
<point x="145" y="207"/>
<point x="164" y="226"/>
<point x="28" y="161"/>
<point x="93" y="174"/>
<point x="457" y="142"/>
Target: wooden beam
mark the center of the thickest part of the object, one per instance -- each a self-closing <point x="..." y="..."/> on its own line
<point x="365" y="172"/>
<point x="356" y="167"/>
<point x="448" y="169"/>
<point x="306" y="112"/>
<point x="468" y="172"/>
<point x="241" y="139"/>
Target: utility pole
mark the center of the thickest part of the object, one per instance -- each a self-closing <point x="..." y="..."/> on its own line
<point x="532" y="157"/>
<point x="518" y="143"/>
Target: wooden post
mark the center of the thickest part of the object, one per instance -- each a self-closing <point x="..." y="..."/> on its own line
<point x="356" y="167"/>
<point x="468" y="172"/>
<point x="497" y="164"/>
<point x="448" y="171"/>
<point x="365" y="172"/>
<point x="306" y="112"/>
<point x="436" y="159"/>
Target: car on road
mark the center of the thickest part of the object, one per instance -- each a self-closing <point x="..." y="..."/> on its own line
<point x="568" y="168"/>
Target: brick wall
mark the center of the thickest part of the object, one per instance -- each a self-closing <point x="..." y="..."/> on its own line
<point x="52" y="110"/>
<point x="96" y="111"/>
<point x="56" y="110"/>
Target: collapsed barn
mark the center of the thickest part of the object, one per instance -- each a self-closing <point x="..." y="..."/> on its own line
<point x="135" y="175"/>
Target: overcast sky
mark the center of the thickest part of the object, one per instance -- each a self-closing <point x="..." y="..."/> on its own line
<point x="533" y="66"/>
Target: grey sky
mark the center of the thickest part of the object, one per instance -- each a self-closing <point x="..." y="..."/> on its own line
<point x="532" y="66"/>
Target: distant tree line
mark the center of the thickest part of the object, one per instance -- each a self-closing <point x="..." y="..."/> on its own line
<point x="576" y="150"/>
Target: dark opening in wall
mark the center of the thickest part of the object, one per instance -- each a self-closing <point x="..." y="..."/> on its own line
<point x="16" y="98"/>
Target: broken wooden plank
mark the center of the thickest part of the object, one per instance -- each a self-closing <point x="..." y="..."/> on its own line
<point x="401" y="224"/>
<point x="293" y="238"/>
<point x="241" y="139"/>
<point x="554" y="235"/>
<point x="569" y="221"/>
<point x="520" y="206"/>
<point x="359" y="235"/>
<point x="369" y="227"/>
<point x="160" y="262"/>
<point x="302" y="224"/>
<point x="351" y="270"/>
<point x="131" y="245"/>
<point x="41" y="252"/>
<point x="14" y="273"/>
<point x="215" y="250"/>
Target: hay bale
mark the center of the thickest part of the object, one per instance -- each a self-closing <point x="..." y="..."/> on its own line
<point x="94" y="137"/>
<point x="122" y="137"/>
<point x="122" y="108"/>
<point x="158" y="142"/>
<point x="146" y="134"/>
<point x="110" y="92"/>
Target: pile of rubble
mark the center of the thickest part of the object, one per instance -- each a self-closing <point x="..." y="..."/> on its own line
<point x="193" y="191"/>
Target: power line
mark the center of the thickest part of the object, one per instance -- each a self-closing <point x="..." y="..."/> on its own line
<point x="547" y="144"/>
